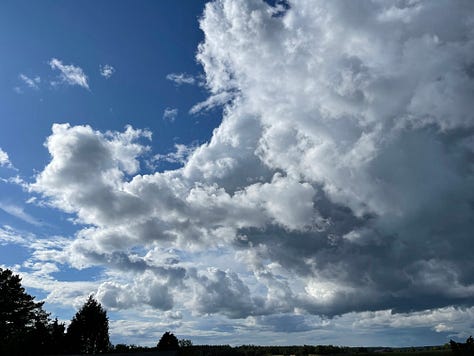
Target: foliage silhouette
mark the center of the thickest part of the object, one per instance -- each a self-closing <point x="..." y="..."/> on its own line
<point x="459" y="348"/>
<point x="25" y="328"/>
<point x="88" y="332"/>
<point x="185" y="343"/>
<point x="168" y="342"/>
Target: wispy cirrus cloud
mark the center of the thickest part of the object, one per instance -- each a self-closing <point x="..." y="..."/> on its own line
<point x="181" y="78"/>
<point x="212" y="102"/>
<point x="32" y="83"/>
<point x="69" y="74"/>
<point x="180" y="155"/>
<point x="19" y="213"/>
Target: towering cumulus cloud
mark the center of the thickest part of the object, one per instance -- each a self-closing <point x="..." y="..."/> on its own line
<point x="340" y="178"/>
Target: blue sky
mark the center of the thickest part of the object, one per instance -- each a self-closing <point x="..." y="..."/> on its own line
<point x="242" y="172"/>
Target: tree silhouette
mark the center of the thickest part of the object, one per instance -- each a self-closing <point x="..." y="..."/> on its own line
<point x="168" y="342"/>
<point x="185" y="343"/>
<point x="89" y="329"/>
<point x="57" y="345"/>
<point x="22" y="320"/>
<point x="463" y="348"/>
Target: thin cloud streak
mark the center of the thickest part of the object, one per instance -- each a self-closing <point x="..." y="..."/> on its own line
<point x="181" y="78"/>
<point x="30" y="82"/>
<point x="69" y="73"/>
<point x="19" y="213"/>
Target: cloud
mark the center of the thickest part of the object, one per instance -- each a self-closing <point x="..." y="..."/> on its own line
<point x="339" y="181"/>
<point x="5" y="159"/>
<point x="181" y="78"/>
<point x="220" y="292"/>
<point x="17" y="180"/>
<point x="106" y="70"/>
<point x="146" y="289"/>
<point x="212" y="102"/>
<point x="99" y="163"/>
<point x="32" y="83"/>
<point x="179" y="156"/>
<point x="69" y="73"/>
<point x="8" y="235"/>
<point x="19" y="213"/>
<point x="170" y="114"/>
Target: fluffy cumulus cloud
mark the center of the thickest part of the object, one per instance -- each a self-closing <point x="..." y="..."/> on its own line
<point x="4" y="159"/>
<point x="340" y="179"/>
<point x="69" y="74"/>
<point x="106" y="70"/>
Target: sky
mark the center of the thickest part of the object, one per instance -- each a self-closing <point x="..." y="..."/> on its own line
<point x="243" y="171"/>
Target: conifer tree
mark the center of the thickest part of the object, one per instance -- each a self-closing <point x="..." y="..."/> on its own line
<point x="22" y="320"/>
<point x="88" y="332"/>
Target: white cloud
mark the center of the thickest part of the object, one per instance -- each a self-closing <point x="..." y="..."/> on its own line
<point x="69" y="73"/>
<point x="170" y="114"/>
<point x="345" y="136"/>
<point x="17" y="180"/>
<point x="19" y="213"/>
<point x="147" y="289"/>
<point x="106" y="70"/>
<point x="212" y="102"/>
<point x="8" y="235"/>
<point x="441" y="327"/>
<point x="441" y="320"/>
<point x="99" y="165"/>
<point x="30" y="82"/>
<point x="179" y="156"/>
<point x="5" y="159"/>
<point x="181" y="78"/>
